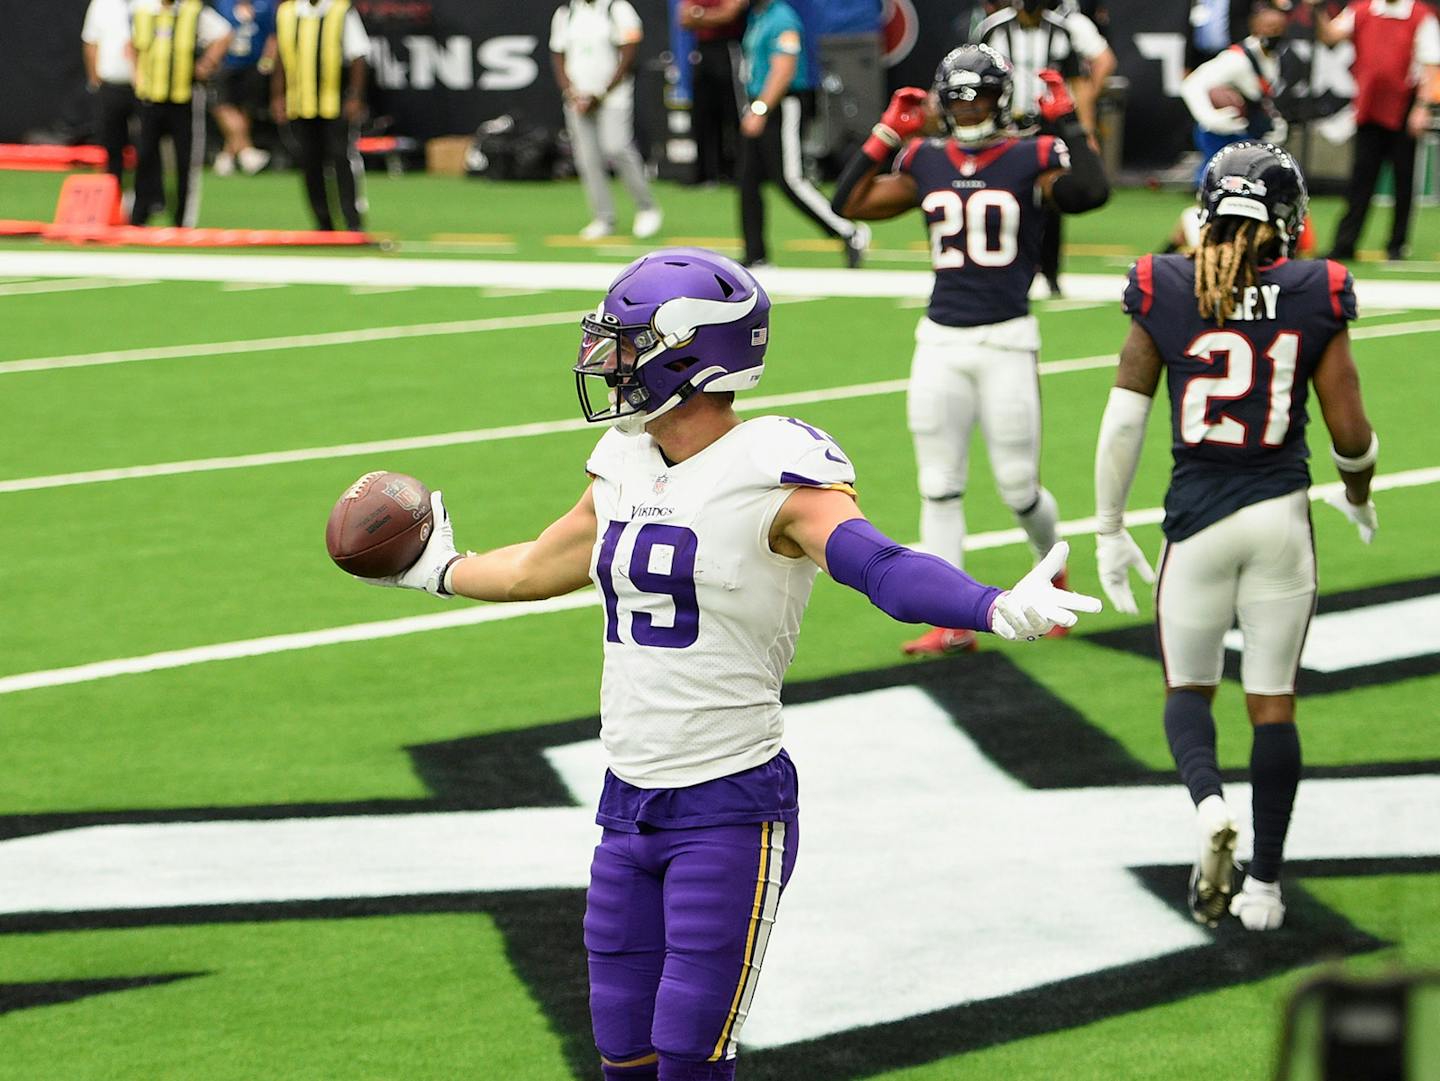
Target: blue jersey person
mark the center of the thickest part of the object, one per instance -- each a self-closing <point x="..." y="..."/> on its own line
<point x="1240" y="334"/>
<point x="981" y="192"/>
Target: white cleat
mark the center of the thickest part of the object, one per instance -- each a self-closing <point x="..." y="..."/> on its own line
<point x="1258" y="905"/>
<point x="252" y="160"/>
<point x="647" y="223"/>
<point x="1212" y="878"/>
<point x="596" y="230"/>
<point x="224" y="164"/>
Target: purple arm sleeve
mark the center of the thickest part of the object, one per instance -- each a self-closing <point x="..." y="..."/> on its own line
<point x="908" y="585"/>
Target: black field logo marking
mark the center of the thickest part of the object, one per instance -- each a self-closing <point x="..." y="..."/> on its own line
<point x="1043" y="883"/>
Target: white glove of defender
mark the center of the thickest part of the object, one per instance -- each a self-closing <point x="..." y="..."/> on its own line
<point x="428" y="572"/>
<point x="1028" y="611"/>
<point x="1362" y="514"/>
<point x="1116" y="553"/>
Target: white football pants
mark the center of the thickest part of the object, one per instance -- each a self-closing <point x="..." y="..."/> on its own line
<point x="961" y="375"/>
<point x="1256" y="566"/>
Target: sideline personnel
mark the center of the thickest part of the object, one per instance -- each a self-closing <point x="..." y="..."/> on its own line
<point x="165" y="38"/>
<point x="318" y="40"/>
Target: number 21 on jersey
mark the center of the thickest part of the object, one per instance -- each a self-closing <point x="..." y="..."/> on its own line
<point x="661" y="565"/>
<point x="1232" y="355"/>
<point x="967" y="218"/>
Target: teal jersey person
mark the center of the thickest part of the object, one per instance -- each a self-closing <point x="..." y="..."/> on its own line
<point x="780" y="83"/>
<point x="775" y="28"/>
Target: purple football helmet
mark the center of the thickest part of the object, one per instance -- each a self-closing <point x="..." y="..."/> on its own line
<point x="675" y="322"/>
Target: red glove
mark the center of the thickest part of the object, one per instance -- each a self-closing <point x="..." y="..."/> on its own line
<point x="905" y="116"/>
<point x="1055" y="100"/>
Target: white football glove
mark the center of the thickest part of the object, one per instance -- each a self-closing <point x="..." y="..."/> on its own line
<point x="1362" y="514"/>
<point x="1116" y="553"/>
<point x="428" y="572"/>
<point x="1226" y="121"/>
<point x="1034" y="606"/>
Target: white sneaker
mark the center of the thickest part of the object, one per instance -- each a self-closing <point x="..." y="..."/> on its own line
<point x="224" y="163"/>
<point x="856" y="244"/>
<point x="1258" y="905"/>
<point x="647" y="222"/>
<point x="252" y="159"/>
<point x="597" y="229"/>
<point x="1211" y="879"/>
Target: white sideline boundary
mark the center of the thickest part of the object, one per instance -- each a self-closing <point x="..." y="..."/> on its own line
<point x="588" y="276"/>
<point x="496" y="613"/>
<point x="551" y="427"/>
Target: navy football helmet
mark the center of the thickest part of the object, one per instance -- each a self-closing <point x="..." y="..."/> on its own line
<point x="970" y="73"/>
<point x="1257" y="181"/>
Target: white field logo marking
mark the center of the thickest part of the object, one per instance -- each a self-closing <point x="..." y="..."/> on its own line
<point x="928" y="878"/>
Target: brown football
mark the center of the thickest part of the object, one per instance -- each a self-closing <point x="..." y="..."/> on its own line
<point x="379" y="526"/>
<point x="1227" y="96"/>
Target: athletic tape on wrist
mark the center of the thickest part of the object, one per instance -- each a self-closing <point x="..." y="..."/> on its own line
<point x="1360" y="462"/>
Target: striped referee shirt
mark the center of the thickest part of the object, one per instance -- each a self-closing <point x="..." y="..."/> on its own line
<point x="1060" y="40"/>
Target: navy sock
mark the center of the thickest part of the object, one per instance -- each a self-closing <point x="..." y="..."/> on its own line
<point x="1191" y="731"/>
<point x="1274" y="776"/>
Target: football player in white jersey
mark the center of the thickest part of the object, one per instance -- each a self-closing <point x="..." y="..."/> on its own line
<point x="703" y="534"/>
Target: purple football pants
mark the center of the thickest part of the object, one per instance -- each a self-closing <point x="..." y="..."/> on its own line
<point x="676" y="924"/>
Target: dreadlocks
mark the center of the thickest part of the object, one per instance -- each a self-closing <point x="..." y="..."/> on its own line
<point x="1227" y="259"/>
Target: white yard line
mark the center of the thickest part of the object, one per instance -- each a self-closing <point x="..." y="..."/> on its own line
<point x="539" y="428"/>
<point x="249" y="287"/>
<point x="66" y="285"/>
<point x="495" y="613"/>
<point x="478" y="435"/>
<point x="587" y="276"/>
<point x="294" y="341"/>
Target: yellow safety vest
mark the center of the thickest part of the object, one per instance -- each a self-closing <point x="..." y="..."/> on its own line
<point x="165" y="43"/>
<point x="312" y="50"/>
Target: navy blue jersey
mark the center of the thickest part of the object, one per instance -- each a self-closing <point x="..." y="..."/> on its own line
<point x="983" y="212"/>
<point x="1237" y="392"/>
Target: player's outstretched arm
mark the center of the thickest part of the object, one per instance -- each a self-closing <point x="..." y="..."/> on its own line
<point x="555" y="563"/>
<point x="1117" y="455"/>
<point x="861" y="192"/>
<point x="913" y="587"/>
<point x="1082" y="185"/>
<point x="1354" y="446"/>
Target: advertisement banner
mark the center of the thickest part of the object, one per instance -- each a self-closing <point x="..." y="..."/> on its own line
<point x="443" y="67"/>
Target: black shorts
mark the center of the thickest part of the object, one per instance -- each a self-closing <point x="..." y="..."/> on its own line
<point x="242" y="87"/>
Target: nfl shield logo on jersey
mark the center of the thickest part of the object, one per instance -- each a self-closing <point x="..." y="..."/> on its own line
<point x="661" y="483"/>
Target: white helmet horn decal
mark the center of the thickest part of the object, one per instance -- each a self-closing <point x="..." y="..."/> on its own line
<point x="677" y="320"/>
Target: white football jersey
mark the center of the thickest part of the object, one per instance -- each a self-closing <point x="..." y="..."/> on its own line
<point x="701" y="616"/>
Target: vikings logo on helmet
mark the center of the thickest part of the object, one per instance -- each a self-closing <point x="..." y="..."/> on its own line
<point x="675" y="322"/>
